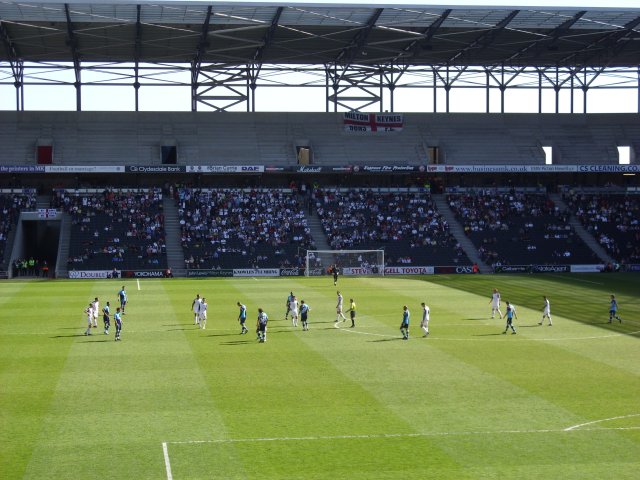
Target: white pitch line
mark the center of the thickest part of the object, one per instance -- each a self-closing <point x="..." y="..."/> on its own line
<point x="575" y="427"/>
<point x="167" y="463"/>
<point x="138" y="280"/>
<point x="391" y="435"/>
<point x="552" y="339"/>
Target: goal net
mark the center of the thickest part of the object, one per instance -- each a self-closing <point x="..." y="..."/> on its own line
<point x="348" y="262"/>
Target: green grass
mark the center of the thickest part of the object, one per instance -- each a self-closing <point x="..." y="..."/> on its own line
<point x="465" y="403"/>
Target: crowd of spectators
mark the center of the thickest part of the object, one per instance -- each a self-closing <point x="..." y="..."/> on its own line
<point x="613" y="219"/>
<point x="406" y="225"/>
<point x="11" y="205"/>
<point x="115" y="229"/>
<point x="518" y="228"/>
<point x="242" y="228"/>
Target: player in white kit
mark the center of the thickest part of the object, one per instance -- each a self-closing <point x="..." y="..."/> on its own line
<point x="96" y="309"/>
<point x="495" y="303"/>
<point x="546" y="312"/>
<point x="339" y="308"/>
<point x="424" y="324"/>
<point x="293" y="304"/>
<point x="195" y="306"/>
<point x="202" y="316"/>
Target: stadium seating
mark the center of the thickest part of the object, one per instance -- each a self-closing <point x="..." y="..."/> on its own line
<point x="121" y="229"/>
<point x="242" y="228"/>
<point x="269" y="138"/>
<point x="11" y="204"/>
<point x="517" y="228"/>
<point x="613" y="219"/>
<point x="405" y="224"/>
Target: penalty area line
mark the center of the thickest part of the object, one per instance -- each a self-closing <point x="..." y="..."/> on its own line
<point x="575" y="427"/>
<point x="167" y="462"/>
<point x="393" y="435"/>
<point x="138" y="281"/>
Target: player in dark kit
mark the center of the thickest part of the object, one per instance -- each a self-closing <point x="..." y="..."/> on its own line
<point x="304" y="314"/>
<point x="122" y="296"/>
<point x="118" y="320"/>
<point x="106" y="318"/>
<point x="510" y="314"/>
<point x="242" y="318"/>
<point x="334" y="271"/>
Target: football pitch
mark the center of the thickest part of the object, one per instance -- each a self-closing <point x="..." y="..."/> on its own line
<point x="171" y="401"/>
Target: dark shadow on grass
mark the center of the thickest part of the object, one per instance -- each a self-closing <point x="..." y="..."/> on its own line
<point x="386" y="340"/>
<point x="239" y="342"/>
<point x="225" y="334"/>
<point x="487" y="334"/>
<point x="104" y="340"/>
<point x="69" y="336"/>
<point x="477" y="318"/>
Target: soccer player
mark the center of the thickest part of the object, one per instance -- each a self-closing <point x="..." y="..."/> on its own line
<point x="287" y="304"/>
<point x="613" y="310"/>
<point x="334" y="271"/>
<point x="339" y="308"/>
<point x="546" y="312"/>
<point x="404" y="326"/>
<point x="352" y="312"/>
<point x="511" y="314"/>
<point x="304" y="314"/>
<point x="117" y="318"/>
<point x="261" y="325"/>
<point x="88" y="312"/>
<point x="106" y="318"/>
<point x="195" y="306"/>
<point x="242" y="318"/>
<point x="424" y="324"/>
<point x="495" y="303"/>
<point x="122" y="296"/>
<point x="202" y="315"/>
<point x="294" y="311"/>
<point x="95" y="311"/>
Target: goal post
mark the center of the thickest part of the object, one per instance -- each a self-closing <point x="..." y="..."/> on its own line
<point x="348" y="262"/>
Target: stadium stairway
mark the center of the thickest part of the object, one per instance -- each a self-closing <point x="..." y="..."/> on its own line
<point x="175" y="254"/>
<point x="317" y="232"/>
<point x="457" y="231"/>
<point x="582" y="232"/>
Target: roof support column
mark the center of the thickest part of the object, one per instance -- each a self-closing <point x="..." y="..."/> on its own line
<point x="72" y="42"/>
<point x="138" y="49"/>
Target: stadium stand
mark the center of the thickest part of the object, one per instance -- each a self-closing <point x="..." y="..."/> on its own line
<point x="242" y="228"/>
<point x="403" y="222"/>
<point x="114" y="228"/>
<point x="518" y="228"/>
<point x="613" y="219"/>
<point x="268" y="138"/>
<point x="12" y="202"/>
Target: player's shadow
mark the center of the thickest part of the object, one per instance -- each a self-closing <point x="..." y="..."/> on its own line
<point x="478" y="318"/>
<point x="69" y="336"/>
<point x="225" y="334"/>
<point x="487" y="334"/>
<point x="386" y="340"/>
<point x="239" y="342"/>
<point x="104" y="340"/>
<point x="535" y="325"/>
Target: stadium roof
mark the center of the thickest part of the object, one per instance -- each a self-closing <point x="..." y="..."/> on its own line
<point x="318" y="33"/>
